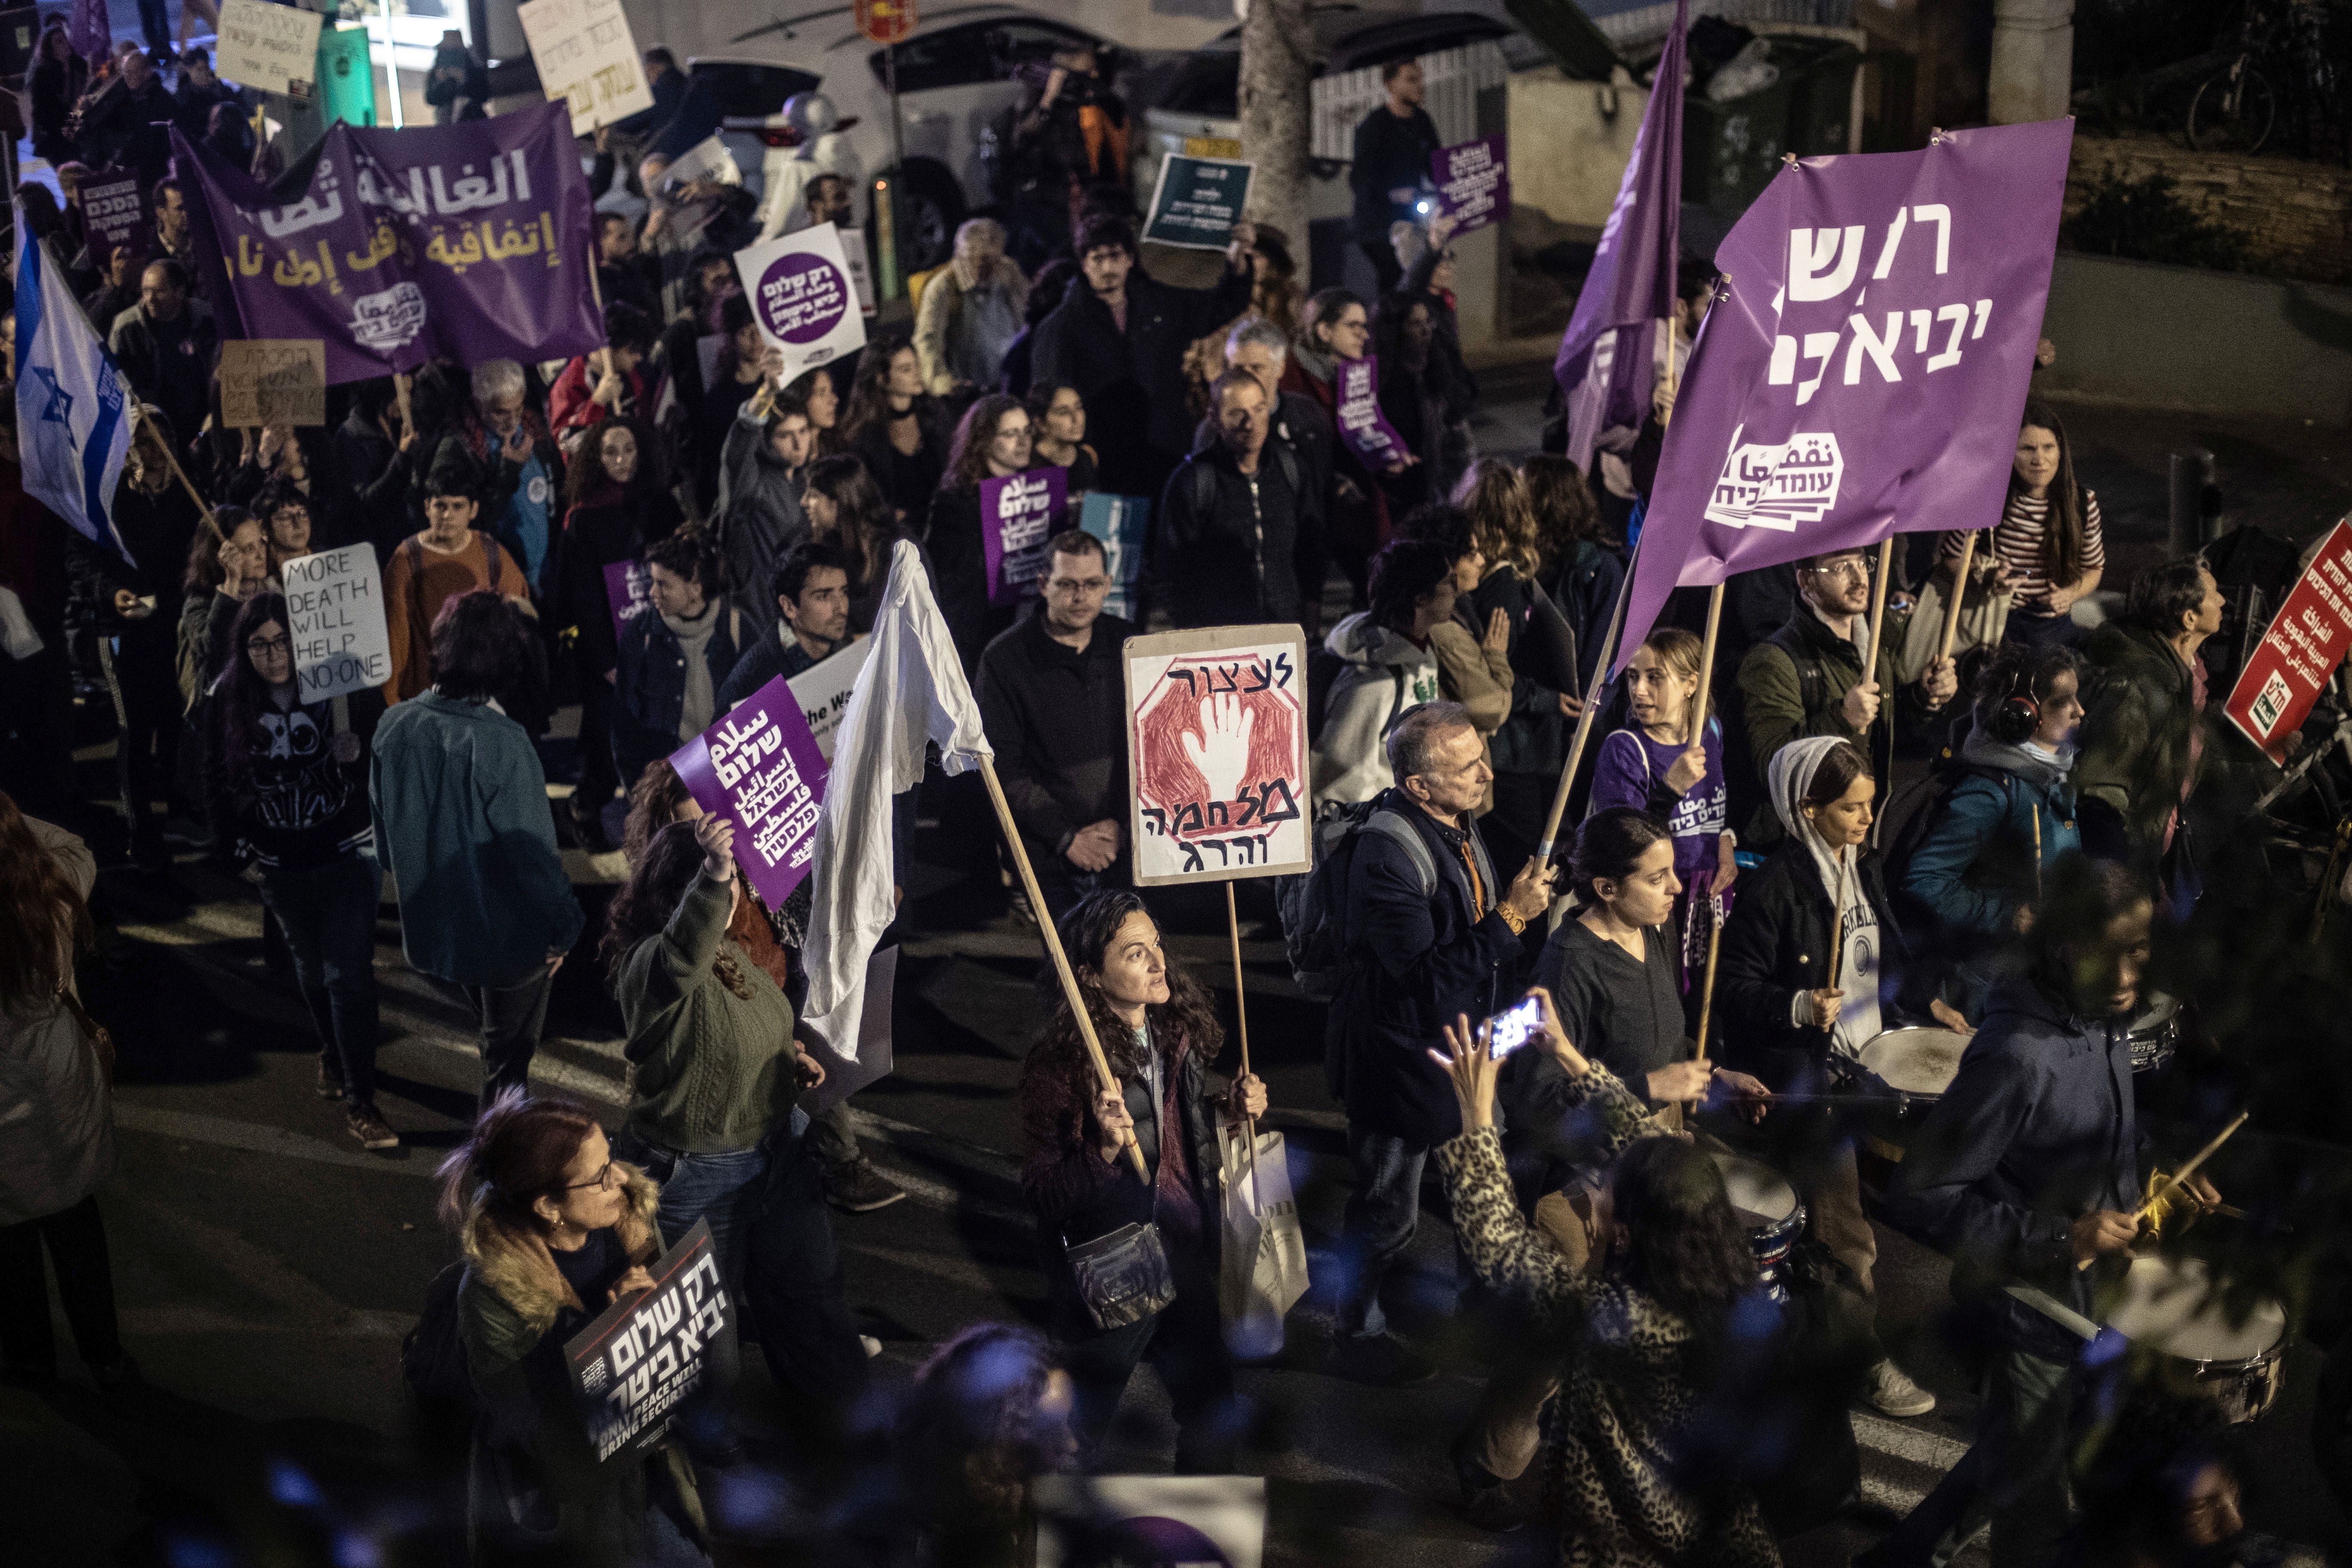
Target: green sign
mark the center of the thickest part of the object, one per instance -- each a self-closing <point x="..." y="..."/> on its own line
<point x="1197" y="202"/>
<point x="346" y="78"/>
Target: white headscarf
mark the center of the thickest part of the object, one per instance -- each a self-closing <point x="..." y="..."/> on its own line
<point x="1789" y="774"/>
<point x="1853" y="922"/>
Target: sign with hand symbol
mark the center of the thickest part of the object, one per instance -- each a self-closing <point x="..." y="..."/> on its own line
<point x="1217" y="755"/>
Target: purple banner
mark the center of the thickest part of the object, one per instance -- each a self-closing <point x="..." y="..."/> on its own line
<point x="760" y="768"/>
<point x="1473" y="183"/>
<point x="625" y="583"/>
<point x="1362" y="425"/>
<point x="1603" y="367"/>
<point x="466" y="241"/>
<point x="1862" y="371"/>
<point x="1017" y="515"/>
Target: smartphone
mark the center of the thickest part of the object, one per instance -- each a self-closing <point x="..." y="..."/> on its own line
<point x="1509" y="1029"/>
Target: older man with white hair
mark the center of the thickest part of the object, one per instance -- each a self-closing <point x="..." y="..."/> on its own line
<point x="971" y="312"/>
<point x="522" y="471"/>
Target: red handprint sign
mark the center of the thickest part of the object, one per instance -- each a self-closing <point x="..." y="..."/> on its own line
<point x="1217" y="753"/>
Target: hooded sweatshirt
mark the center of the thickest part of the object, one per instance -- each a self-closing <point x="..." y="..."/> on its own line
<point x="1791" y="773"/>
<point x="1386" y="672"/>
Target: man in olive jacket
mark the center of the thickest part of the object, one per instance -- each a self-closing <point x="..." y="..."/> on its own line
<point x="2141" y="742"/>
<point x="1806" y="679"/>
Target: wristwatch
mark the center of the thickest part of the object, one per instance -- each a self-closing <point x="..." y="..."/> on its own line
<point x="1512" y="918"/>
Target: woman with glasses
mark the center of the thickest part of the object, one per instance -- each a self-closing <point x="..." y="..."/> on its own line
<point x="993" y="442"/>
<point x="713" y="1072"/>
<point x="554" y="1230"/>
<point x="286" y="793"/>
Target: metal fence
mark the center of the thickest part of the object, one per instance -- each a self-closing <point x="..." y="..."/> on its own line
<point x="1454" y="78"/>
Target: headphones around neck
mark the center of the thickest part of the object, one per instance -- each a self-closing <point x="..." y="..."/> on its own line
<point x="2017" y="715"/>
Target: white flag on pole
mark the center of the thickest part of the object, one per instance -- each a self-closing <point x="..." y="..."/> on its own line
<point x="911" y="691"/>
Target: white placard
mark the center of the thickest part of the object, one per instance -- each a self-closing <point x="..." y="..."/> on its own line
<point x="1151" y="1518"/>
<point x="1217" y="755"/>
<point x="802" y="297"/>
<point x="853" y="246"/>
<point x="272" y="48"/>
<point x="334" y="607"/>
<point x="822" y="691"/>
<point x="586" y="54"/>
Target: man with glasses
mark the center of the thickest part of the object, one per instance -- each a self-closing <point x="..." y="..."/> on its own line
<point x="1806" y="679"/>
<point x="1052" y="697"/>
<point x="1431" y="934"/>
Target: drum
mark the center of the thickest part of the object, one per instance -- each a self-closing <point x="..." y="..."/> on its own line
<point x="1910" y="1069"/>
<point x="2155" y="1033"/>
<point x="2173" y="1313"/>
<point x="1768" y="1210"/>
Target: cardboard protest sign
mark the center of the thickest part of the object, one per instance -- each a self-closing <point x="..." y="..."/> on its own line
<point x="267" y="46"/>
<point x="1197" y="201"/>
<point x="1362" y="425"/>
<point x="114" y="216"/>
<point x="1119" y="522"/>
<point x="822" y="691"/>
<point x="802" y="297"/>
<point x="334" y="615"/>
<point x="626" y="587"/>
<point x="2298" y="655"/>
<point x="273" y="380"/>
<point x="636" y="1363"/>
<point x="1018" y="514"/>
<point x="1150" y="1519"/>
<point x="853" y="248"/>
<point x="760" y="768"/>
<point x="587" y="56"/>
<point x="1473" y="183"/>
<point x="1216" y="753"/>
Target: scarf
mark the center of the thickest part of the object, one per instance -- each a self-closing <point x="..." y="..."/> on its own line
<point x="1791" y="773"/>
<point x="693" y="640"/>
<point x="1313" y="361"/>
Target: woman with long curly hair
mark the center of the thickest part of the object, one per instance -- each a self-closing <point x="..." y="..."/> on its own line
<point x="57" y="1112"/>
<point x="988" y="1415"/>
<point x="1159" y="1034"/>
<point x="895" y="427"/>
<point x="227" y="563"/>
<point x="554" y="1229"/>
<point x="845" y="509"/>
<point x="1582" y="567"/>
<point x="286" y="794"/>
<point x="1642" y="1338"/>
<point x="992" y="441"/>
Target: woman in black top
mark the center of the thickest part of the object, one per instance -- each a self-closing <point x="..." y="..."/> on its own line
<point x="57" y="79"/>
<point x="1057" y="415"/>
<point x="895" y="427"/>
<point x="991" y="442"/>
<point x="845" y="509"/>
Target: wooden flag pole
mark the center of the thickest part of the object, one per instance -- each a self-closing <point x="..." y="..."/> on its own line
<point x="1070" y="991"/>
<point x="138" y="411"/>
<point x="1241" y="1018"/>
<point x="1959" y="592"/>
<point x="1697" y="735"/>
<point x="1584" y="721"/>
<point x="1878" y="614"/>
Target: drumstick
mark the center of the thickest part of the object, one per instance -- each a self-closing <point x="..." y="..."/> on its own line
<point x="1706" y="989"/>
<point x="2035" y="811"/>
<point x="2163" y="1188"/>
<point x="1837" y="923"/>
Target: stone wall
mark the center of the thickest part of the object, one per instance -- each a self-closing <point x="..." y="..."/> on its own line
<point x="2295" y="216"/>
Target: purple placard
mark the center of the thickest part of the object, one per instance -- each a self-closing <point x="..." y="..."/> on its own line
<point x="625" y="583"/>
<point x="1362" y="425"/>
<point x="114" y="217"/>
<point x="760" y="768"/>
<point x="467" y="241"/>
<point x="1017" y="515"/>
<point x="801" y="296"/>
<point x="1473" y="183"/>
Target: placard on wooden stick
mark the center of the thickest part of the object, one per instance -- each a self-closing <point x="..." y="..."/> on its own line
<point x="273" y="380"/>
<point x="587" y="56"/>
<point x="1217" y="753"/>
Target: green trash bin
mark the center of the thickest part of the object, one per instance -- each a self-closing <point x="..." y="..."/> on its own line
<point x="1731" y="150"/>
<point x="1820" y="73"/>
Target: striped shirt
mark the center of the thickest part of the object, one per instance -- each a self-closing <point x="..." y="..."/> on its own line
<point x="2016" y="539"/>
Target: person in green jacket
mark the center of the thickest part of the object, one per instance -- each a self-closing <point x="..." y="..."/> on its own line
<point x="462" y="823"/>
<point x="1806" y="679"/>
<point x="2142" y="738"/>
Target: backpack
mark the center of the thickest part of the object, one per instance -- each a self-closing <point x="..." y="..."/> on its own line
<point x="1203" y="479"/>
<point x="433" y="1356"/>
<point x="1312" y="903"/>
<point x="1744" y="789"/>
<point x="1917" y="808"/>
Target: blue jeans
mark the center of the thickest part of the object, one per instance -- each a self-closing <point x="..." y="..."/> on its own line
<point x="1378" y="1226"/>
<point x="328" y="913"/>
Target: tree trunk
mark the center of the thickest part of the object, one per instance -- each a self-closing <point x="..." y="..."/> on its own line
<point x="1275" y="41"/>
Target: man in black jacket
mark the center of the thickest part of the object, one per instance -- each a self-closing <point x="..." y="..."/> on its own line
<point x="1390" y="167"/>
<point x="1429" y="936"/>
<point x="1261" y="348"/>
<point x="1224" y="546"/>
<point x="1052" y="697"/>
<point x="166" y="345"/>
<point x="1121" y="342"/>
<point x="812" y="590"/>
<point x="122" y="124"/>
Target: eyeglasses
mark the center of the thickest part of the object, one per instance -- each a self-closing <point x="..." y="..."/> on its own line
<point x="1859" y="570"/>
<point x="269" y="644"/>
<point x="603" y="1178"/>
<point x="1077" y="585"/>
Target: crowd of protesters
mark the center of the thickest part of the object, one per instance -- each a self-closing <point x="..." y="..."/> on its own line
<point x="1726" y="853"/>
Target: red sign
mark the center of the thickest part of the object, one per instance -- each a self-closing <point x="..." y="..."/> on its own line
<point x="885" y="21"/>
<point x="2297" y="656"/>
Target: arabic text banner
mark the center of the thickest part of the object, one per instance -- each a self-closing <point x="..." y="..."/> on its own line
<point x="467" y="241"/>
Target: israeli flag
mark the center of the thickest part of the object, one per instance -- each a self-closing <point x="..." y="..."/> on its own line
<point x="73" y="408"/>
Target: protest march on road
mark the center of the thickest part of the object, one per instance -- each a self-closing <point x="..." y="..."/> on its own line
<point x="1028" y="894"/>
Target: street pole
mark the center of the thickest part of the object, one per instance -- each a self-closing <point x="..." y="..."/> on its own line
<point x="894" y="273"/>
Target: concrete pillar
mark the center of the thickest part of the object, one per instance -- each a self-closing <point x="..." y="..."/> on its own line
<point x="2032" y="60"/>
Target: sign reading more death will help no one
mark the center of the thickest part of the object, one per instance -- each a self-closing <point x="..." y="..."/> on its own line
<point x="334" y="615"/>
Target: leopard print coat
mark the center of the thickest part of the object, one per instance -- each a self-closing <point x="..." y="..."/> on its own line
<point x="1624" y="1395"/>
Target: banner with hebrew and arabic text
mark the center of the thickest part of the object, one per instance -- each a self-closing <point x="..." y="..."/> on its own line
<point x="466" y="241"/>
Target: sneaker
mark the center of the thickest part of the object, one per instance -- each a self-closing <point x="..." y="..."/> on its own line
<point x="330" y="1083"/>
<point x="366" y="1126"/>
<point x="1379" y="1360"/>
<point x="1486" y="1500"/>
<point x="873" y="1346"/>
<point x="1892" y="1394"/>
<point x="855" y="1186"/>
